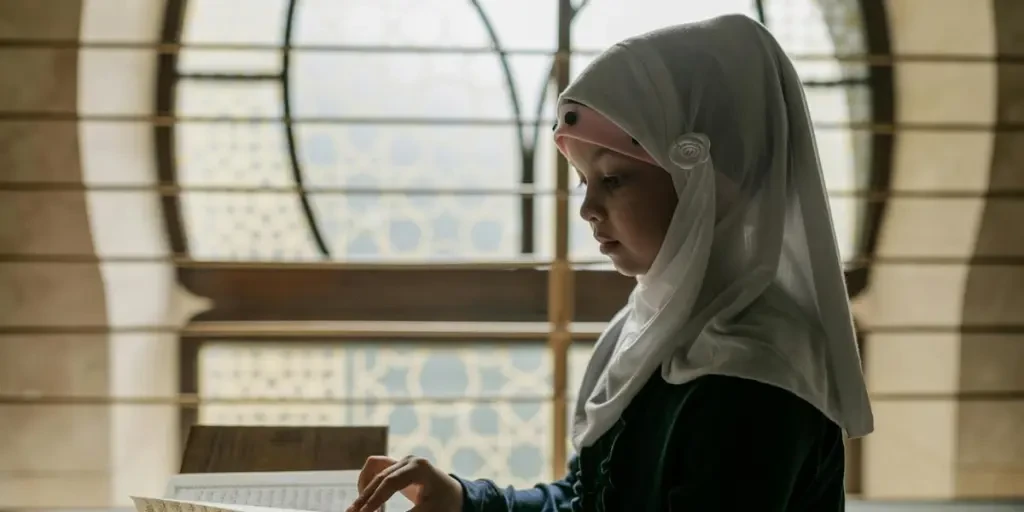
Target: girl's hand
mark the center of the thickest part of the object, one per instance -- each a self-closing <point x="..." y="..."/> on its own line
<point x="428" y="488"/>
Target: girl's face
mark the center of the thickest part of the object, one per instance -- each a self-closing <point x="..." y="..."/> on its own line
<point x="628" y="204"/>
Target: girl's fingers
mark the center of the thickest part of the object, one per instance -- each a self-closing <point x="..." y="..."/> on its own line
<point x="406" y="475"/>
<point x="371" y="468"/>
<point x="379" y="474"/>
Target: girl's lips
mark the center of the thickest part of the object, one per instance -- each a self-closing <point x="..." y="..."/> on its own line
<point x="609" y="246"/>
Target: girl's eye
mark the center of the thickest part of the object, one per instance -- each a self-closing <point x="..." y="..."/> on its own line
<point x="611" y="182"/>
<point x="608" y="182"/>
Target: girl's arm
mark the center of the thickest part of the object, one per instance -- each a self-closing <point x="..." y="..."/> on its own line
<point x="486" y="496"/>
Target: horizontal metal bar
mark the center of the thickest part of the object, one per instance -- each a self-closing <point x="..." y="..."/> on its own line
<point x="969" y="329"/>
<point x="977" y="260"/>
<point x="182" y="261"/>
<point x="172" y="48"/>
<point x="837" y="83"/>
<point x="523" y="190"/>
<point x="960" y="396"/>
<point x="173" y="120"/>
<point x="196" y="400"/>
<point x="341" y="331"/>
<point x="231" y="76"/>
<point x="86" y="330"/>
<point x="434" y="331"/>
<point x="187" y="261"/>
<point x="92" y="508"/>
<point x="584" y="336"/>
<point x="168" y="120"/>
<point x="512" y="264"/>
<point x="242" y="77"/>
<point x="179" y="189"/>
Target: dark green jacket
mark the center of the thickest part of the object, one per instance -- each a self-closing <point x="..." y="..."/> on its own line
<point x="714" y="444"/>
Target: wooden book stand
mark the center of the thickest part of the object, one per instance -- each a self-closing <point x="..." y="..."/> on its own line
<point x="234" y="449"/>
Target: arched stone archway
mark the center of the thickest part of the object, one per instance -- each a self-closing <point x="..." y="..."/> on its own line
<point x="145" y="304"/>
<point x="942" y="351"/>
<point x="78" y="317"/>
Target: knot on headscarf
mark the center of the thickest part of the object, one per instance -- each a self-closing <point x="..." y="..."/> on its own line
<point x="690" y="150"/>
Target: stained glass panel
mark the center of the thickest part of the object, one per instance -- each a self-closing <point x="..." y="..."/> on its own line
<point x="217" y="21"/>
<point x="238" y="225"/>
<point x="415" y="85"/>
<point x="249" y="226"/>
<point x="837" y="151"/>
<point x="450" y="23"/>
<point x="800" y="29"/>
<point x="423" y="224"/>
<point x="523" y="24"/>
<point x="820" y="27"/>
<point x="225" y="62"/>
<point x="389" y="156"/>
<point x="368" y="85"/>
<point x="546" y="155"/>
<point x="582" y="245"/>
<point x="519" y="25"/>
<point x="830" y="106"/>
<point x="845" y="217"/>
<point x="233" y="154"/>
<point x="481" y="410"/>
<point x="371" y="226"/>
<point x="229" y="99"/>
<point x="602" y="23"/>
<point x="579" y="355"/>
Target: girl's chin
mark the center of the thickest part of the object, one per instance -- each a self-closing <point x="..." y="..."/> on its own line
<point x="626" y="266"/>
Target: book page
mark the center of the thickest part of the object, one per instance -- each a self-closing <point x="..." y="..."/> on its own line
<point x="167" y="505"/>
<point x="311" y="491"/>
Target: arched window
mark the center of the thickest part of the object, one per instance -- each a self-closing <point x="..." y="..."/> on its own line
<point x="371" y="164"/>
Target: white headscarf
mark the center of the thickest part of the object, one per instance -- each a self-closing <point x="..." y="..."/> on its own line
<point x="748" y="281"/>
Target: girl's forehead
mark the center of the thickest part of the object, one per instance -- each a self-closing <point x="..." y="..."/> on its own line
<point x="585" y="155"/>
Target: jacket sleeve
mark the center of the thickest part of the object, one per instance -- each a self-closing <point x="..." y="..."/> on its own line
<point x="741" y="446"/>
<point x="486" y="496"/>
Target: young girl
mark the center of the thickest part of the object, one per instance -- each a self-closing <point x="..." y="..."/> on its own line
<point x="728" y="380"/>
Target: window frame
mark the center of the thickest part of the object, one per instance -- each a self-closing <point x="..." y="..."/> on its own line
<point x="268" y="292"/>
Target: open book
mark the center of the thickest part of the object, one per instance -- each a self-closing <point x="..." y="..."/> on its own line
<point x="305" y="491"/>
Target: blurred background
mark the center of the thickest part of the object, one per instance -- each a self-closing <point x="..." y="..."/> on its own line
<point x="350" y="212"/>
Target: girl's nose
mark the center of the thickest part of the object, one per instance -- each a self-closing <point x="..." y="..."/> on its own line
<point x="591" y="210"/>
